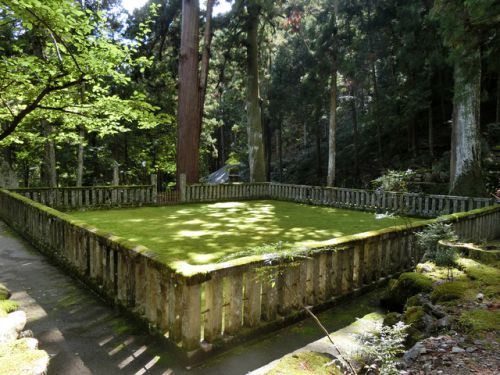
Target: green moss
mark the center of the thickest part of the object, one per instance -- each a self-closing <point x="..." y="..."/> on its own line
<point x="204" y="233"/>
<point x="484" y="273"/>
<point x="407" y="285"/>
<point x="450" y="291"/>
<point x="413" y="315"/>
<point x="476" y="321"/>
<point x="305" y="363"/>
<point x="391" y="318"/>
<point x="4" y="292"/>
<point x="17" y="358"/>
<point x="414" y="301"/>
<point x="8" y="306"/>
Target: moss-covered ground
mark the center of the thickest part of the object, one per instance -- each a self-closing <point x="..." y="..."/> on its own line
<point x="206" y="233"/>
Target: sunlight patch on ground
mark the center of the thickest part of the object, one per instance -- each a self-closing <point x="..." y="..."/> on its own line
<point x="206" y="232"/>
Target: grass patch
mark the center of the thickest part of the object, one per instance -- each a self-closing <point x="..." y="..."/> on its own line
<point x="480" y="320"/>
<point x="207" y="232"/>
<point x="450" y="291"/>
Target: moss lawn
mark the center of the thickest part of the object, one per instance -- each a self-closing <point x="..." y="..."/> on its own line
<point x="207" y="232"/>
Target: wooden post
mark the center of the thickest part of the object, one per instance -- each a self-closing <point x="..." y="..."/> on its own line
<point x="191" y="313"/>
<point x="252" y="306"/>
<point x="233" y="304"/>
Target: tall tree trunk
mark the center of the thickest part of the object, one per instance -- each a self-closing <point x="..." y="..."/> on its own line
<point x="49" y="173"/>
<point x="497" y="114"/>
<point x="79" y="162"/>
<point x="465" y="166"/>
<point x="431" y="131"/>
<point x="279" y="141"/>
<point x="332" y="126"/>
<point x="256" y="156"/>
<point x="205" y="58"/>
<point x="189" y="127"/>
<point x="355" y="135"/>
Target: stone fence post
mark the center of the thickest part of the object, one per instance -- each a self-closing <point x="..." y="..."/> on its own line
<point x="182" y="187"/>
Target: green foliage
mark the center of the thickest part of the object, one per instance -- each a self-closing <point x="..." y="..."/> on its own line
<point x="4" y="292"/>
<point x="381" y="349"/>
<point x="8" y="306"/>
<point x="480" y="320"/>
<point x="394" y="181"/>
<point x="428" y="240"/>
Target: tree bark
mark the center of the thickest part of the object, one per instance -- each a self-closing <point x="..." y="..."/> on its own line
<point x="256" y="156"/>
<point x="79" y="162"/>
<point x="497" y="114"/>
<point x="49" y="173"/>
<point x="431" y="131"/>
<point x="332" y="126"/>
<point x="189" y="126"/>
<point x="465" y="165"/>
<point x="355" y="135"/>
<point x="205" y="58"/>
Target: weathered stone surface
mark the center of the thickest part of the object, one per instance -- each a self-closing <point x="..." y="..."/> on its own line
<point x="12" y="325"/>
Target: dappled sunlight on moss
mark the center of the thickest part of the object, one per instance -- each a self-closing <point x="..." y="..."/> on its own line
<point x="201" y="233"/>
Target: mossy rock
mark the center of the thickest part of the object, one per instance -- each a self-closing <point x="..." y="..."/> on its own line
<point x="479" y="320"/>
<point x="407" y="285"/>
<point x="305" y="363"/>
<point x="450" y="291"/>
<point x="20" y="357"/>
<point x="392" y="318"/>
<point x="420" y="324"/>
<point x="7" y="306"/>
<point x="4" y="292"/>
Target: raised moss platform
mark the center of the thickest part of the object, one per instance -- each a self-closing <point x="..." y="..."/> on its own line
<point x="208" y="232"/>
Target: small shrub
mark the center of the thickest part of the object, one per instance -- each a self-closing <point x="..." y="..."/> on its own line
<point x="381" y="349"/>
<point x="446" y="257"/>
<point x="428" y="238"/>
<point x="394" y="181"/>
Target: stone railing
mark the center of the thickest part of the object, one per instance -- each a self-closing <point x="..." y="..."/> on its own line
<point x="411" y="204"/>
<point x="88" y="197"/>
<point x="221" y="192"/>
<point x="240" y="297"/>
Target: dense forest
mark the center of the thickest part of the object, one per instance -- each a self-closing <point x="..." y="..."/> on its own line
<point x="319" y="92"/>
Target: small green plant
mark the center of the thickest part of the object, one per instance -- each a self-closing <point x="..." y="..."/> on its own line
<point x="382" y="347"/>
<point x="428" y="239"/>
<point x="446" y="257"/>
<point x="394" y="181"/>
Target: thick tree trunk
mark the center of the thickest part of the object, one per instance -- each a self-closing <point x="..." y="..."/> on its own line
<point x="465" y="167"/>
<point x="49" y="173"/>
<point x="256" y="156"/>
<point x="79" y="162"/>
<point x="332" y="127"/>
<point x="205" y="58"/>
<point x="189" y="127"/>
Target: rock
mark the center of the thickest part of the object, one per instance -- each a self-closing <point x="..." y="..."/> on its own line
<point x="443" y="323"/>
<point x="4" y="292"/>
<point x="471" y="349"/>
<point x="480" y="296"/>
<point x="435" y="310"/>
<point x="414" y="352"/>
<point x="424" y="268"/>
<point x="407" y="285"/>
<point x="457" y="349"/>
<point x="12" y="325"/>
<point x="26" y="333"/>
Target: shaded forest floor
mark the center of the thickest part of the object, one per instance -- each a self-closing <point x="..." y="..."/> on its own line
<point x="206" y="233"/>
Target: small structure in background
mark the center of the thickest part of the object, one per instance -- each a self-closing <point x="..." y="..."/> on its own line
<point x="228" y="173"/>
